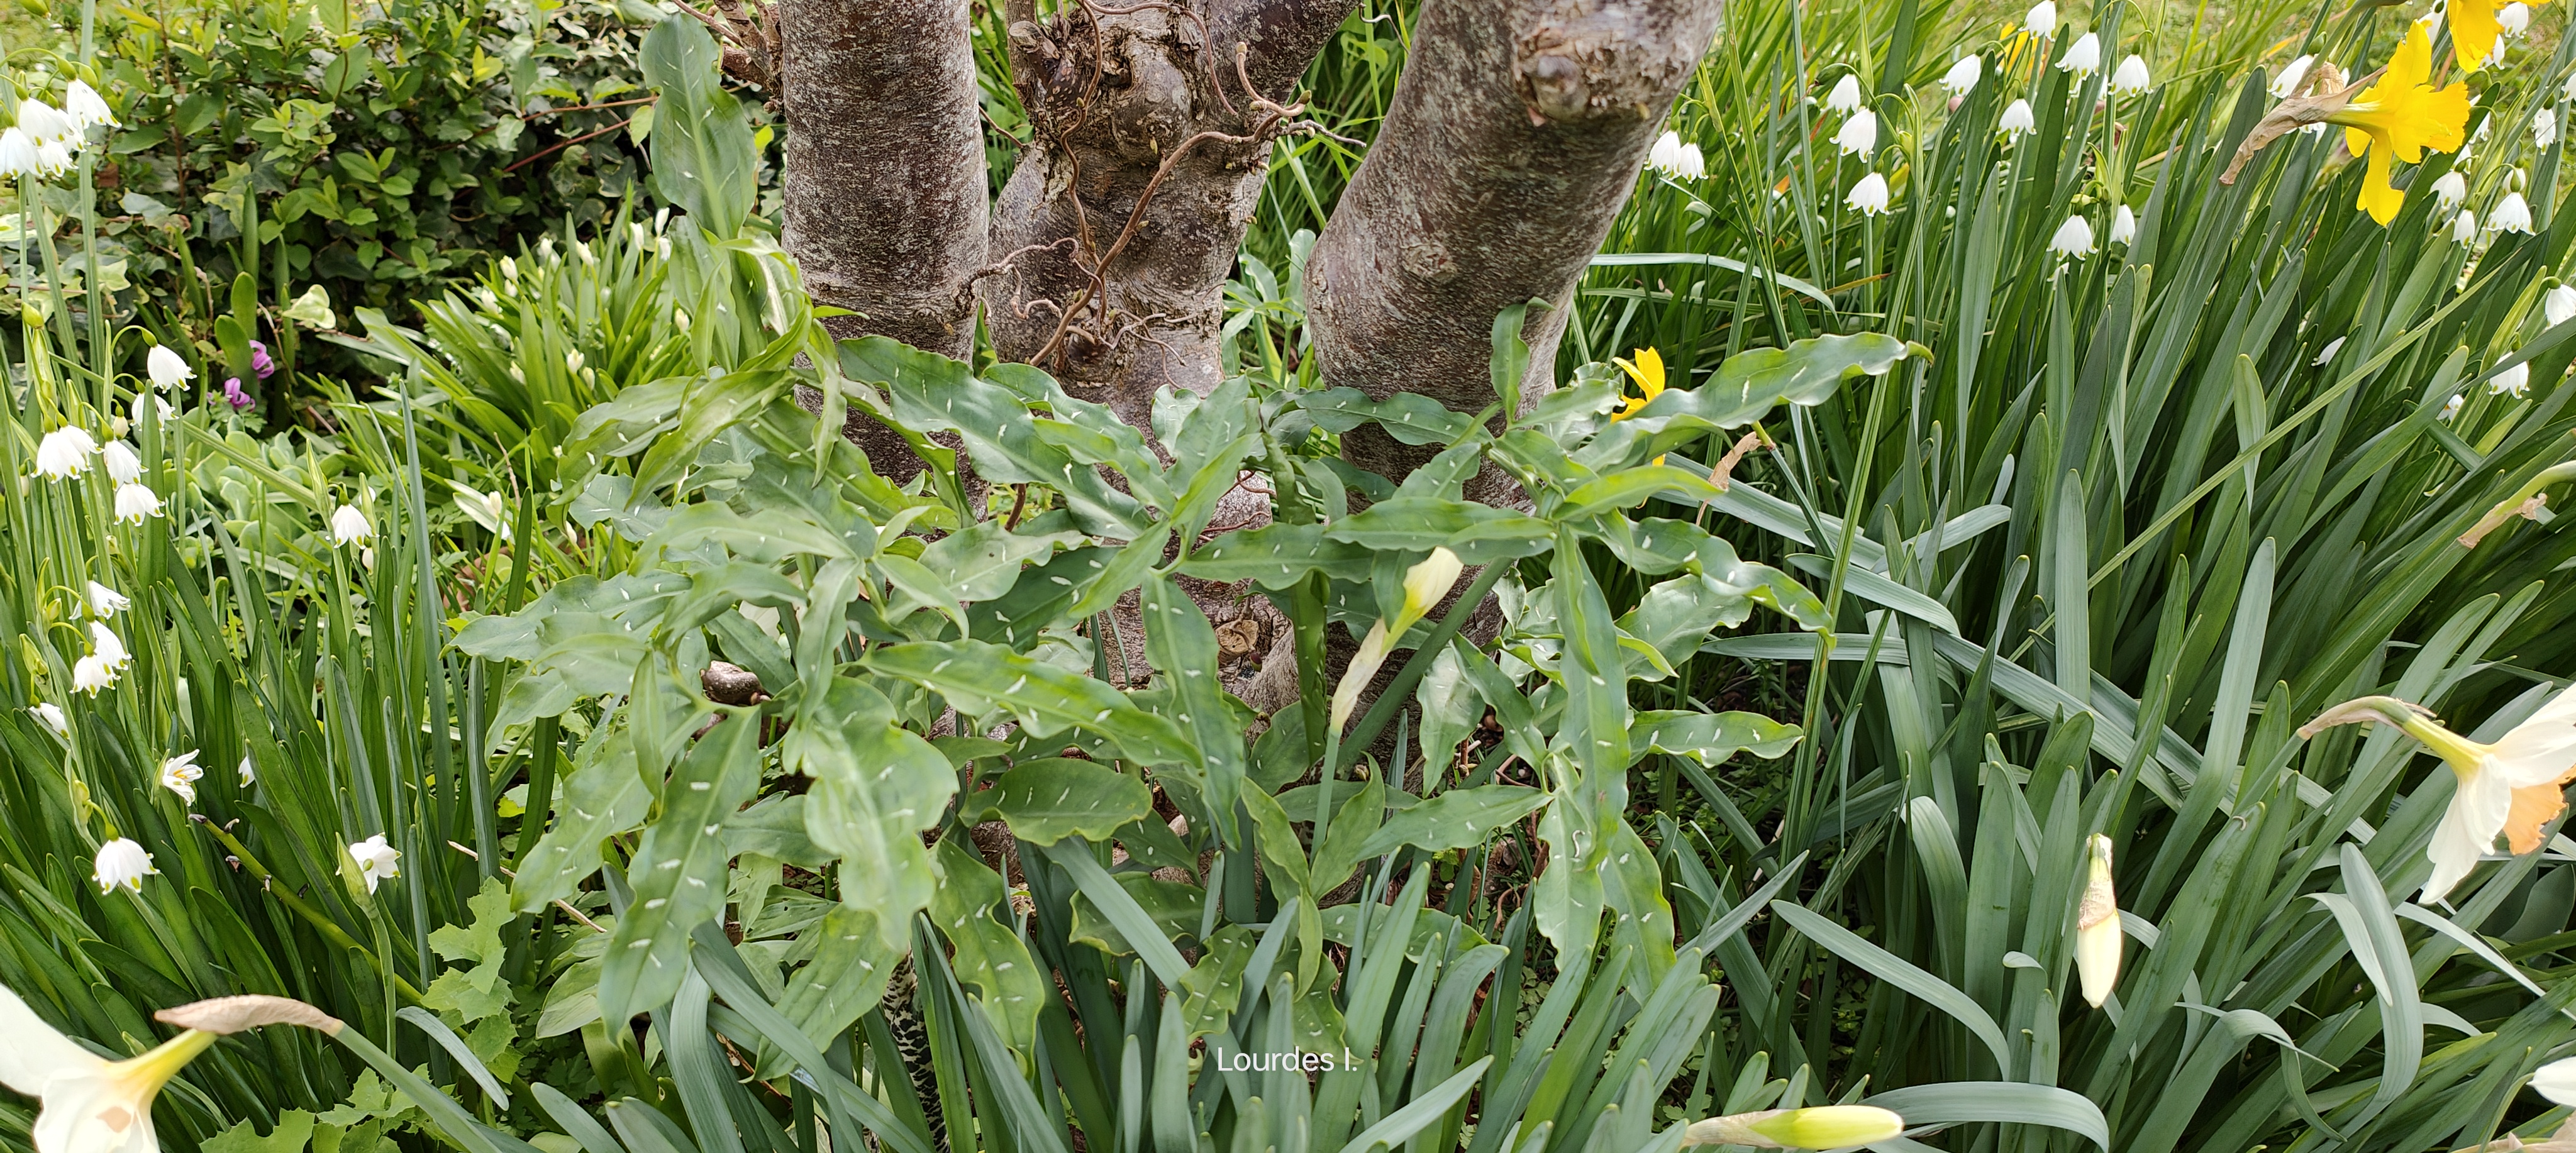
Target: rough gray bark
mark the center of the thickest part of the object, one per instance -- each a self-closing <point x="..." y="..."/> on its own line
<point x="1516" y="134"/>
<point x="1131" y="197"/>
<point x="885" y="190"/>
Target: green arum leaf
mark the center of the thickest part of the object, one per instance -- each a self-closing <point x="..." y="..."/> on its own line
<point x="520" y="636"/>
<point x="1174" y="906"/>
<point x="971" y="910"/>
<point x="1478" y="533"/>
<point x="722" y="589"/>
<point x="1567" y="897"/>
<point x="712" y="403"/>
<point x="984" y="559"/>
<point x="774" y="827"/>
<point x="844" y="978"/>
<point x="1745" y="388"/>
<point x="1457" y="819"/>
<point x="1112" y="576"/>
<point x="1710" y="739"/>
<point x="678" y="872"/>
<point x="482" y="991"/>
<point x="1409" y="417"/>
<point x="1047" y="800"/>
<point x="1278" y="556"/>
<point x="1182" y="647"/>
<point x="774" y="536"/>
<point x="983" y="679"/>
<point x="932" y="393"/>
<point x="703" y="159"/>
<point x="1116" y="446"/>
<point x="603" y="797"/>
<point x="876" y="786"/>
<point x="1352" y="825"/>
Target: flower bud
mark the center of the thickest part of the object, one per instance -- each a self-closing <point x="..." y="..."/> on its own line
<point x="1822" y="1127"/>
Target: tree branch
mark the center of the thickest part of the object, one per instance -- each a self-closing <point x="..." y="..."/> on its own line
<point x="1283" y="36"/>
<point x="1516" y="135"/>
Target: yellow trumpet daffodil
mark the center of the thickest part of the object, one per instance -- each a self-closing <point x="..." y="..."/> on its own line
<point x="2511" y="787"/>
<point x="1648" y="371"/>
<point x="2398" y="118"/>
<point x="2474" y="29"/>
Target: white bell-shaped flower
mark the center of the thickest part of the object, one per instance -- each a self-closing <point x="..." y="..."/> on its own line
<point x="124" y="466"/>
<point x="2042" y="20"/>
<point x="135" y="503"/>
<point x="377" y="861"/>
<point x="2074" y="238"/>
<point x="180" y="775"/>
<point x="2131" y="77"/>
<point x="2084" y="57"/>
<point x="1859" y="135"/>
<point x="65" y="452"/>
<point x="1962" y="77"/>
<point x="2017" y="119"/>
<point x="167" y="369"/>
<point x="1845" y="96"/>
<point x="121" y="864"/>
<point x="1868" y="195"/>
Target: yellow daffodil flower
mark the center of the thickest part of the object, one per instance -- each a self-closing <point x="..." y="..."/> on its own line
<point x="2511" y="787"/>
<point x="1648" y="371"/>
<point x="2474" y="29"/>
<point x="2399" y="117"/>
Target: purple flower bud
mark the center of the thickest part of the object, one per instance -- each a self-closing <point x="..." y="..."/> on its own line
<point x="259" y="361"/>
<point x="234" y="395"/>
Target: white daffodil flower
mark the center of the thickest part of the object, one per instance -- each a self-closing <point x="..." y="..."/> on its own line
<point x="377" y="861"/>
<point x="1868" y="195"/>
<point x="2293" y="74"/>
<point x="2515" y="380"/>
<point x="2084" y="57"/>
<point x="107" y="647"/>
<point x="1821" y="1127"/>
<point x="2017" y="119"/>
<point x="2124" y="225"/>
<point x="2451" y="407"/>
<point x="87" y="108"/>
<point x="105" y="602"/>
<point x="65" y="452"/>
<point x="91" y="1104"/>
<point x="43" y="123"/>
<point x="349" y="526"/>
<point x="2097" y="926"/>
<point x="2131" y="78"/>
<point x="121" y="863"/>
<point x="180" y="775"/>
<point x="2558" y="305"/>
<point x="2073" y="239"/>
<point x="2556" y="1081"/>
<point x="1859" y="135"/>
<point x="1669" y="156"/>
<point x="51" y="716"/>
<point x="166" y="368"/>
<point x="90" y="674"/>
<point x="2450" y="191"/>
<point x="18" y="153"/>
<point x="1424" y="584"/>
<point x="1846" y="95"/>
<point x="1962" y="77"/>
<point x="2328" y="352"/>
<point x="124" y="465"/>
<point x="2042" y="20"/>
<point x="135" y="503"/>
<point x="2509" y="788"/>
<point x="2512" y="214"/>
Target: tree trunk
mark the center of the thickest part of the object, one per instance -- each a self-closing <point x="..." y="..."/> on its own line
<point x="1132" y="194"/>
<point x="885" y="188"/>
<point x="1516" y="135"/>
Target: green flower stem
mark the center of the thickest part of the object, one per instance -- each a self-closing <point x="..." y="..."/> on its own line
<point x="329" y="929"/>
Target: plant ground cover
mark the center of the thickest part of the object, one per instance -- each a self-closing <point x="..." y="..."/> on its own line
<point x="628" y="768"/>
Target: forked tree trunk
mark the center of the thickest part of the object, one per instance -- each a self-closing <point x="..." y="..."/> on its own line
<point x="885" y="189"/>
<point x="1517" y="132"/>
<point x="1132" y="194"/>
